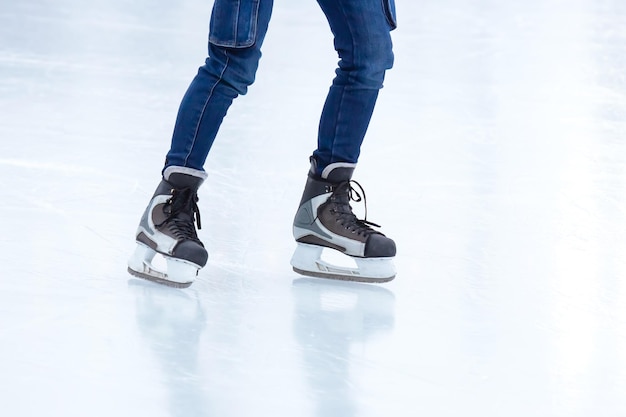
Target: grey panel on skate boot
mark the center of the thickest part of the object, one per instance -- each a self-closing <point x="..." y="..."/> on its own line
<point x="305" y="219"/>
<point x="144" y="224"/>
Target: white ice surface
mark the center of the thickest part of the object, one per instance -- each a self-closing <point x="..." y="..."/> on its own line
<point x="496" y="160"/>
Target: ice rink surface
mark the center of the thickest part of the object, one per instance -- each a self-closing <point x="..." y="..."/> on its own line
<point x="496" y="159"/>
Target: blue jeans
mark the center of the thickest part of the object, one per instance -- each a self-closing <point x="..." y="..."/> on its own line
<point x="361" y="30"/>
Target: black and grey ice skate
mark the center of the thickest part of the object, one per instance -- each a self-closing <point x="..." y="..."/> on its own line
<point x="325" y="220"/>
<point x="167" y="227"/>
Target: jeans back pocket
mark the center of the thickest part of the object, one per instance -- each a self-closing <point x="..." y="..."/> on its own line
<point x="234" y="23"/>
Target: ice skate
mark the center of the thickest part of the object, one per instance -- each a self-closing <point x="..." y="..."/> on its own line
<point x="325" y="221"/>
<point x="167" y="227"/>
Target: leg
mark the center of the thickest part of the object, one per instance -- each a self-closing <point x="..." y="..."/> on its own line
<point x="167" y="227"/>
<point x="324" y="218"/>
<point x="236" y="35"/>
<point x="362" y="40"/>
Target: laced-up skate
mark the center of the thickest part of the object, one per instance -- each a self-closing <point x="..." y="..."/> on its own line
<point x="325" y="220"/>
<point x="167" y="227"/>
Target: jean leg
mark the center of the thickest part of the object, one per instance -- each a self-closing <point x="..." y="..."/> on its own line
<point x="362" y="38"/>
<point x="226" y="74"/>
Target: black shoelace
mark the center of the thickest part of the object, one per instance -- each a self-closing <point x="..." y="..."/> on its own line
<point x="182" y="209"/>
<point x="342" y="194"/>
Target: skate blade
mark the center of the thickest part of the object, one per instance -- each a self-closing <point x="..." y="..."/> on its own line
<point x="307" y="261"/>
<point x="343" y="276"/>
<point x="158" y="280"/>
<point x="180" y="274"/>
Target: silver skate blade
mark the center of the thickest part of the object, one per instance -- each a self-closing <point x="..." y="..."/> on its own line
<point x="343" y="277"/>
<point x="158" y="280"/>
<point x="307" y="260"/>
<point x="180" y="274"/>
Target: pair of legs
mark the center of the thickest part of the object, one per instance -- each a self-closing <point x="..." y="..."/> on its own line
<point x="324" y="218"/>
<point x="238" y="27"/>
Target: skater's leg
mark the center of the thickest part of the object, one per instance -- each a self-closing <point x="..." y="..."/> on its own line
<point x="167" y="226"/>
<point x="236" y="35"/>
<point x="361" y="30"/>
<point x="324" y="218"/>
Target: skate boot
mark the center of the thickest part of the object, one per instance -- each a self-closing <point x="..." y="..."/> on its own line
<point x="167" y="227"/>
<point x="325" y="220"/>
